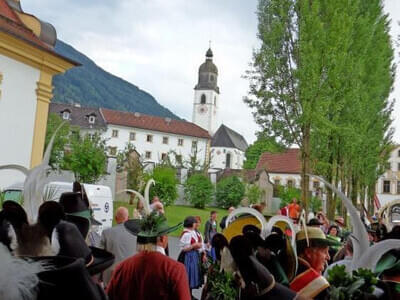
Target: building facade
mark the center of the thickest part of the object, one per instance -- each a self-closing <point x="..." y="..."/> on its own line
<point x="227" y="149"/>
<point x="284" y="169"/>
<point x="27" y="64"/>
<point x="388" y="185"/>
<point x="155" y="138"/>
<point x="227" y="146"/>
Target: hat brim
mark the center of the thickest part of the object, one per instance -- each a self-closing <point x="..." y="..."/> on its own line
<point x="388" y="263"/>
<point x="133" y="226"/>
<point x="102" y="259"/>
<point x="93" y="221"/>
<point x="315" y="242"/>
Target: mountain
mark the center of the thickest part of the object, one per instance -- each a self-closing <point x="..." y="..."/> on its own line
<point x="92" y="86"/>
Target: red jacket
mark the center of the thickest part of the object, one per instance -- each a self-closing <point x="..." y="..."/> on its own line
<point x="149" y="275"/>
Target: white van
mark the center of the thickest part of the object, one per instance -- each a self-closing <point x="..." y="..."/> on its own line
<point x="100" y="198"/>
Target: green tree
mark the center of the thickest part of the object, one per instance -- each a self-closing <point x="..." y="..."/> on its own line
<point x="315" y="79"/>
<point x="128" y="161"/>
<point x="230" y="192"/>
<point x="253" y="193"/>
<point x="254" y="151"/>
<point x="165" y="184"/>
<point x="286" y="194"/>
<point x="60" y="141"/>
<point x="198" y="190"/>
<point x="86" y="157"/>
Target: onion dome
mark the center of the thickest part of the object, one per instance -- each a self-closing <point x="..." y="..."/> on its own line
<point x="208" y="74"/>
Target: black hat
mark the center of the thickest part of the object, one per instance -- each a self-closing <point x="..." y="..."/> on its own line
<point x="70" y="240"/>
<point x="314" y="222"/>
<point x="61" y="274"/>
<point x="72" y="244"/>
<point x="77" y="211"/>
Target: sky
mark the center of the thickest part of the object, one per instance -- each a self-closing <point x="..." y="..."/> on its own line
<point x="158" y="45"/>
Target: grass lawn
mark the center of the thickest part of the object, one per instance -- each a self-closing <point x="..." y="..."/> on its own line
<point x="177" y="213"/>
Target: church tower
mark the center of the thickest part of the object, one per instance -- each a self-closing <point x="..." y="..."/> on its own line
<point x="206" y="93"/>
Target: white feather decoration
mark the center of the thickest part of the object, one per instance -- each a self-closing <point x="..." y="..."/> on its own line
<point x="359" y="231"/>
<point x="370" y="258"/>
<point x="145" y="200"/>
<point x="18" y="278"/>
<point x="227" y="262"/>
<point x="250" y="211"/>
<point x="146" y="203"/>
<point x="55" y="244"/>
<point x="35" y="181"/>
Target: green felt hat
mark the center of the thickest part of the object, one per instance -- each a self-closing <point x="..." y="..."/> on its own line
<point x="148" y="229"/>
<point x="389" y="263"/>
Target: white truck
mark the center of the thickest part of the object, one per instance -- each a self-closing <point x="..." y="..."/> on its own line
<point x="100" y="198"/>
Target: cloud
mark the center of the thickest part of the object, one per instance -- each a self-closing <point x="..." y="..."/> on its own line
<point x="158" y="45"/>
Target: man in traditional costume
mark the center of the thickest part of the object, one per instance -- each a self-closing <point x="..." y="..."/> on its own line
<point x="118" y="241"/>
<point x="150" y="274"/>
<point x="313" y="255"/>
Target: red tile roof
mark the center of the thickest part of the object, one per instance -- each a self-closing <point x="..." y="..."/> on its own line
<point x="285" y="162"/>
<point x="10" y="23"/>
<point x="167" y="125"/>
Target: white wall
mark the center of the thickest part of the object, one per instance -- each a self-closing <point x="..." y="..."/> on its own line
<point x="209" y="119"/>
<point x="17" y="116"/>
<point x="156" y="147"/>
<point x="218" y="158"/>
<point x="392" y="175"/>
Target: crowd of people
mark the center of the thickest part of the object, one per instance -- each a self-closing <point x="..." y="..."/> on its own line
<point x="57" y="257"/>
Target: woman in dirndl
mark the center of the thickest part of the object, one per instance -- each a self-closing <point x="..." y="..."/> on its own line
<point x="191" y="245"/>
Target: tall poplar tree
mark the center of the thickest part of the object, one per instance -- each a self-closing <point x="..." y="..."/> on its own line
<point x="317" y="83"/>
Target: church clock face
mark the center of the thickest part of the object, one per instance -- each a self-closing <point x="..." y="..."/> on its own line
<point x="202" y="109"/>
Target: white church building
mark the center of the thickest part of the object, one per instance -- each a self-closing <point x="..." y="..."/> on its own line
<point x="227" y="146"/>
<point x="156" y="138"/>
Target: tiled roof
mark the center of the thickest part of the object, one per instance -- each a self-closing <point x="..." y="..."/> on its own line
<point x="226" y="137"/>
<point x="285" y="162"/>
<point x="79" y="116"/>
<point x="10" y="23"/>
<point x="138" y="120"/>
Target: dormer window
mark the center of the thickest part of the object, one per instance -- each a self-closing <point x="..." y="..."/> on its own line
<point x="92" y="119"/>
<point x="65" y="115"/>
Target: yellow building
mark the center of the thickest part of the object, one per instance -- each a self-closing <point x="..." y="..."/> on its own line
<point x="27" y="65"/>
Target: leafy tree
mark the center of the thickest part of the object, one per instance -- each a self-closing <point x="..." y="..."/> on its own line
<point x="60" y="141"/>
<point x="253" y="193"/>
<point x="198" y="190"/>
<point x="166" y="182"/>
<point x="322" y="67"/>
<point x="86" y="157"/>
<point x="130" y="163"/>
<point x="286" y="194"/>
<point x="315" y="204"/>
<point x="230" y="192"/>
<point x="254" y="151"/>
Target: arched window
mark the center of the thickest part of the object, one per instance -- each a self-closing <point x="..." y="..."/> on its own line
<point x="203" y="99"/>
<point x="211" y="77"/>
<point x="228" y="160"/>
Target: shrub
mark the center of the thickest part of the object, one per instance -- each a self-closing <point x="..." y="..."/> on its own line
<point x="165" y="187"/>
<point x="198" y="190"/>
<point x="253" y="193"/>
<point x="286" y="194"/>
<point x="230" y="192"/>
